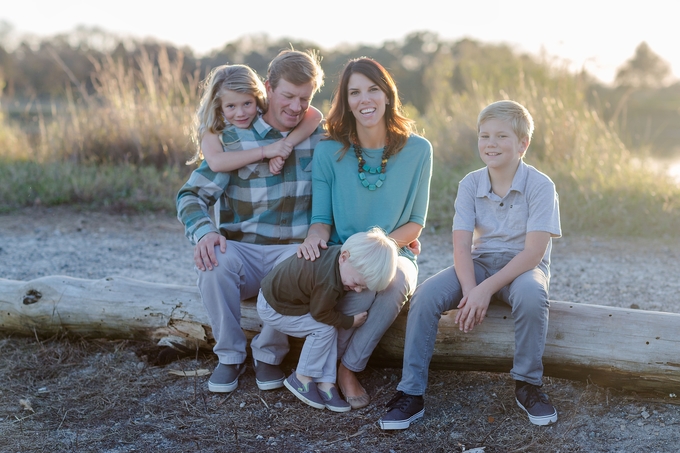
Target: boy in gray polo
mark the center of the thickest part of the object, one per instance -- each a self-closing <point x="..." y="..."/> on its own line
<point x="506" y="215"/>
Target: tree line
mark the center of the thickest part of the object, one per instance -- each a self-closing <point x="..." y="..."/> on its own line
<point x="643" y="100"/>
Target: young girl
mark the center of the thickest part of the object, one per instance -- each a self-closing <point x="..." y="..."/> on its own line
<point x="234" y="94"/>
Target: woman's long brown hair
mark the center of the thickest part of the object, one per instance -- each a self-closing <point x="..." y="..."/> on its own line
<point x="341" y="124"/>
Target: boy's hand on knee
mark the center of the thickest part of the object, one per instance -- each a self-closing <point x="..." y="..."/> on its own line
<point x="360" y="319"/>
<point x="471" y="311"/>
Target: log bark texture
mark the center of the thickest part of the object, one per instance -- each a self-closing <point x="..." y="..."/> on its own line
<point x="614" y="347"/>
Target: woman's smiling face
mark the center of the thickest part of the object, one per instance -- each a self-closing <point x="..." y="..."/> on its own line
<point x="366" y="100"/>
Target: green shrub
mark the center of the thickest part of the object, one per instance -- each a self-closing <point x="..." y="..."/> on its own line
<point x="119" y="187"/>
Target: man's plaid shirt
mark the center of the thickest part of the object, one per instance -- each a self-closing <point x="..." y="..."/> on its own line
<point x="250" y="204"/>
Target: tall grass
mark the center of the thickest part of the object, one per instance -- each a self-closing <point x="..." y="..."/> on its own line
<point x="139" y="115"/>
<point x="602" y="188"/>
<point x="125" y="145"/>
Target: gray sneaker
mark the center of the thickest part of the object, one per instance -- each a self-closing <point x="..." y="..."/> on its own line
<point x="536" y="404"/>
<point x="268" y="377"/>
<point x="225" y="378"/>
<point x="307" y="393"/>
<point x="332" y="400"/>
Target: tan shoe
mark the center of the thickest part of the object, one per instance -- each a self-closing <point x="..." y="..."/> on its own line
<point x="359" y="401"/>
<point x="356" y="402"/>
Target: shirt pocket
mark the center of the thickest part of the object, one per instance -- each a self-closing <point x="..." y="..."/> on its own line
<point x="254" y="171"/>
<point x="306" y="163"/>
<point x="518" y="215"/>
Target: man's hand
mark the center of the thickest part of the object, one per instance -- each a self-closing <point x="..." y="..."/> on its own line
<point x="204" y="252"/>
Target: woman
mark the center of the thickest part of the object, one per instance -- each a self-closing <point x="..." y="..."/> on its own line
<point x="385" y="182"/>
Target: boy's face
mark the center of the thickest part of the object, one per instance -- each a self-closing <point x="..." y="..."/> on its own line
<point x="351" y="279"/>
<point x="499" y="146"/>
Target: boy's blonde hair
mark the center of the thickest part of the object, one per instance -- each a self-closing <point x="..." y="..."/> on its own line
<point x="374" y="256"/>
<point x="514" y="113"/>
<point x="297" y="68"/>
<point x="209" y="117"/>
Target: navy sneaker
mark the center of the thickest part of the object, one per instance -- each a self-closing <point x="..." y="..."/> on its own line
<point x="225" y="377"/>
<point x="307" y="393"/>
<point x="536" y="404"/>
<point x="268" y="377"/>
<point x="403" y="410"/>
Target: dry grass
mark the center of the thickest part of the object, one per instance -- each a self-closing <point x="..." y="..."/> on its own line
<point x="64" y="394"/>
<point x="604" y="187"/>
<point x="140" y="112"/>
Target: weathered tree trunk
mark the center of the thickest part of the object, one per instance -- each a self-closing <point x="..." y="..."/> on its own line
<point x="629" y="349"/>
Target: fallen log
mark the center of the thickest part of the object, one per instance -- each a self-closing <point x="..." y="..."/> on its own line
<point x="613" y="347"/>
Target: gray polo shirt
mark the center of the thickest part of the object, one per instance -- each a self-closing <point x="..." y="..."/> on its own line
<point x="500" y="225"/>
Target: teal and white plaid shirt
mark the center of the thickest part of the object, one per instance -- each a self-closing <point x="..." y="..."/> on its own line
<point x="251" y="204"/>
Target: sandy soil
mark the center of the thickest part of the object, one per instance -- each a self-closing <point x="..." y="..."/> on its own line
<point x="464" y="410"/>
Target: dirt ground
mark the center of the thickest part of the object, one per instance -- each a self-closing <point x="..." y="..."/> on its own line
<point x="65" y="394"/>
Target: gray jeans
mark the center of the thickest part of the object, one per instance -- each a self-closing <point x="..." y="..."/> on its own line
<point x="237" y="277"/>
<point x="527" y="295"/>
<point x="356" y="345"/>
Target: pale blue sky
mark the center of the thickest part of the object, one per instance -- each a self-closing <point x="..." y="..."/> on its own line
<point x="597" y="35"/>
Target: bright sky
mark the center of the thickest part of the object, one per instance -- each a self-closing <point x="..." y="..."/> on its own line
<point x="599" y="35"/>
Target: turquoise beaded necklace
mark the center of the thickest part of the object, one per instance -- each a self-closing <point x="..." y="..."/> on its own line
<point x="365" y="168"/>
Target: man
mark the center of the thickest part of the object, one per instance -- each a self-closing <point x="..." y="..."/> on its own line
<point x="261" y="219"/>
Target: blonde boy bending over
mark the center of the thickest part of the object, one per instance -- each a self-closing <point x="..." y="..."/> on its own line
<point x="299" y="297"/>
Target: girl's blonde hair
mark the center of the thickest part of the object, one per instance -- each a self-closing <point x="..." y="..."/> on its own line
<point x="209" y="118"/>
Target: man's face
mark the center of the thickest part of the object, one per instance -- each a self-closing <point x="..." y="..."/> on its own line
<point x="288" y="104"/>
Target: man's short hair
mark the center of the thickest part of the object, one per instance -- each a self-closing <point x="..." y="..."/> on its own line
<point x="297" y="68"/>
<point x="514" y="113"/>
<point x="374" y="256"/>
